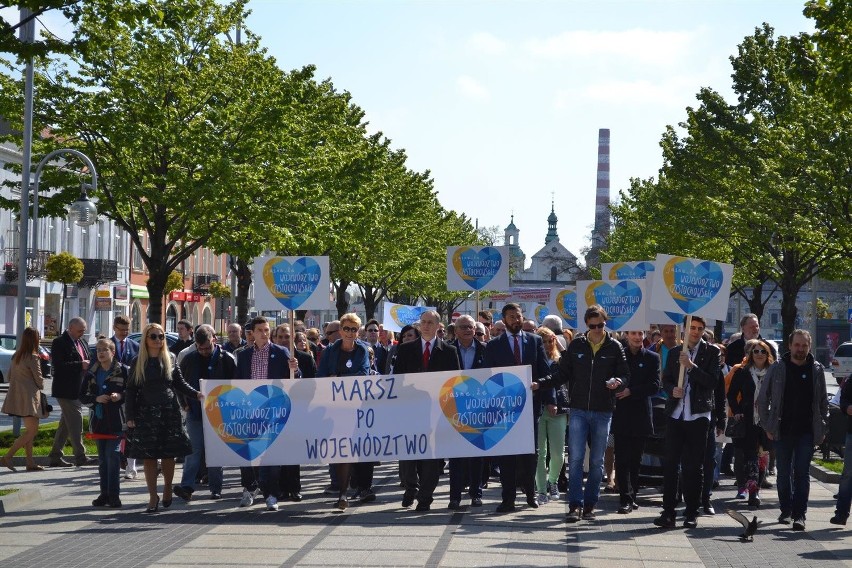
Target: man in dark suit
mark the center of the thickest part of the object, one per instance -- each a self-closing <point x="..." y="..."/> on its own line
<point x="125" y="349"/>
<point x="379" y="351"/>
<point x="420" y="477"/>
<point x="70" y="357"/>
<point x="265" y="361"/>
<point x="517" y="347"/>
<point x="689" y="409"/>
<point x="467" y="471"/>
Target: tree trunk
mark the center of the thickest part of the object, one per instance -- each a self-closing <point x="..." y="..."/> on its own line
<point x="244" y="279"/>
<point x="789" y="311"/>
<point x="756" y="303"/>
<point x="156" y="288"/>
<point x="372" y="296"/>
<point x="60" y="329"/>
<point x="340" y="298"/>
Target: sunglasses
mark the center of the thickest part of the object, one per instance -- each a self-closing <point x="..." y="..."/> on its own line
<point x="597" y="325"/>
<point x="760" y="351"/>
<point x="372" y="330"/>
<point x="348" y="329"/>
<point x="479" y="334"/>
<point x="157" y="336"/>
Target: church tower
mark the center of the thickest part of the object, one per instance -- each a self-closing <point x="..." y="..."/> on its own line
<point x="551" y="226"/>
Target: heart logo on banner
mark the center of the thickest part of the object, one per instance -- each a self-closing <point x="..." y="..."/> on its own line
<point x="692" y="286"/>
<point x="623" y="271"/>
<point x="248" y="423"/>
<point x="291" y="284"/>
<point x="566" y="303"/>
<point x="405" y="315"/>
<point x="477" y="267"/>
<point x="620" y="301"/>
<point x="483" y="413"/>
<point x="540" y="313"/>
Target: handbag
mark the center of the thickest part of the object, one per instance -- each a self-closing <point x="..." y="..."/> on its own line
<point x="735" y="428"/>
<point x="46" y="407"/>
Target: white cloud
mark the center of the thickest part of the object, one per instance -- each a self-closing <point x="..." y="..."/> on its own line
<point x="640" y="45"/>
<point x="472" y="89"/>
<point x="677" y="92"/>
<point x="486" y="43"/>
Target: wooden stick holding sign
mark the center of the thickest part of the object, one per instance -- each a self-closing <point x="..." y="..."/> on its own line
<point x="292" y="335"/>
<point x="684" y="345"/>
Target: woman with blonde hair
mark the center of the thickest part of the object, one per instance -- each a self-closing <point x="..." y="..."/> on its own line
<point x="742" y="398"/>
<point x="24" y="397"/>
<point x="154" y="422"/>
<point x="551" y="426"/>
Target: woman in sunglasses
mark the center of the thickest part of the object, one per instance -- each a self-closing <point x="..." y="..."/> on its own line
<point x="347" y="357"/>
<point x="742" y="396"/>
<point x="153" y="413"/>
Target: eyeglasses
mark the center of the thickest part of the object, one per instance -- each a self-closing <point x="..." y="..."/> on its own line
<point x="760" y="351"/>
<point x="157" y="336"/>
<point x="479" y="334"/>
<point x="441" y="332"/>
<point x="597" y="325"/>
<point x="348" y="329"/>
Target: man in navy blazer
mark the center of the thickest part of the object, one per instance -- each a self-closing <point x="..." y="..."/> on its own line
<point x="126" y="350"/>
<point x="265" y="361"/>
<point x="425" y="354"/>
<point x="517" y="347"/>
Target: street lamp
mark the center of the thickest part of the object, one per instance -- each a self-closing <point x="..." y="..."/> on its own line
<point x="83" y="212"/>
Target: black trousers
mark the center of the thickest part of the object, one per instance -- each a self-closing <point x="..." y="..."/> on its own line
<point x="709" y="465"/>
<point x="519" y="470"/>
<point x="362" y="475"/>
<point x="686" y="443"/>
<point x="248" y="478"/>
<point x="420" y="478"/>
<point x="290" y="479"/>
<point x="628" y="458"/>
<point x="465" y="471"/>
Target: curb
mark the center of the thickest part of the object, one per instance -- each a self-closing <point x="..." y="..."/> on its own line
<point x="18" y="500"/>
<point x="824" y="475"/>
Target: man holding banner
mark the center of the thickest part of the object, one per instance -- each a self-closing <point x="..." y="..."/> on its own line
<point x="429" y="353"/>
<point x="517" y="347"/>
<point x="688" y="409"/>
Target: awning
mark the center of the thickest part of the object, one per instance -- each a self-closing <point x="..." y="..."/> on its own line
<point x="138" y="291"/>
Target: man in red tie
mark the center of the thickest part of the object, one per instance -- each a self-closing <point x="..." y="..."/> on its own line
<point x="70" y="357"/>
<point x="428" y="354"/>
<point x="518" y="347"/>
<point x="125" y="349"/>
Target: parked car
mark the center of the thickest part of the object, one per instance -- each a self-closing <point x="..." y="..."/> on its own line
<point x="841" y="363"/>
<point x="8" y="344"/>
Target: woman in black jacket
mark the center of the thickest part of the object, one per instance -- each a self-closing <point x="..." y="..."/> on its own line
<point x="742" y="395"/>
<point x="103" y="389"/>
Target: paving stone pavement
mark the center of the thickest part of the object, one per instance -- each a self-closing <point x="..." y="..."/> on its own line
<point x="62" y="528"/>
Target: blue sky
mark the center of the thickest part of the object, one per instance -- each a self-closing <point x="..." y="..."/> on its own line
<point x="502" y="100"/>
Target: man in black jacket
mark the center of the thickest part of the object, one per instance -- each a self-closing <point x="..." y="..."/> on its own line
<point x="689" y="409"/>
<point x="426" y="354"/>
<point x="594" y="367"/>
<point x="70" y="357"/>
<point x="208" y="361"/>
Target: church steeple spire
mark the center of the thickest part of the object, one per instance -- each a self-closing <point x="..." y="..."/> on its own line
<point x="551" y="225"/>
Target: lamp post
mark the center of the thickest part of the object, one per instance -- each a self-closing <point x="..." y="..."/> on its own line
<point x="83" y="211"/>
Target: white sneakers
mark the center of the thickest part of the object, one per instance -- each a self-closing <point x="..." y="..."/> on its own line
<point x="248" y="497"/>
<point x="271" y="503"/>
<point x="130" y="474"/>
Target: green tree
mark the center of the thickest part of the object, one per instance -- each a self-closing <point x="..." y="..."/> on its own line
<point x="66" y="269"/>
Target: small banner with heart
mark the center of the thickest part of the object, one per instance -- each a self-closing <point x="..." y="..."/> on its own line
<point x="291" y="283"/>
<point x="625" y="302"/>
<point x="689" y="286"/>
<point x="478" y="412"/>
<point x="563" y="301"/>
<point x="641" y="270"/>
<point x="397" y="316"/>
<point x="477" y="268"/>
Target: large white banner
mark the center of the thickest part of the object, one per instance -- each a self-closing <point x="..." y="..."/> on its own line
<point x="291" y="283"/>
<point x="477" y="412"/>
<point x="397" y="316"/>
<point x="691" y="286"/>
<point x="625" y="302"/>
<point x="477" y="268"/>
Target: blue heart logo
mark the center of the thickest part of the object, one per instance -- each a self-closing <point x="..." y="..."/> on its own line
<point x="566" y="303"/>
<point x="477" y="267"/>
<point x="692" y="286"/>
<point x="248" y="423"/>
<point x="624" y="271"/>
<point x="406" y="315"/>
<point x="541" y="312"/>
<point x="483" y="413"/>
<point x="620" y="301"/>
<point x="291" y="284"/>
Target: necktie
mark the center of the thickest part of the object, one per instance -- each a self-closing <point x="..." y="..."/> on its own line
<point x="517" y="351"/>
<point x="121" y="352"/>
<point x="81" y="350"/>
<point x="426" y="356"/>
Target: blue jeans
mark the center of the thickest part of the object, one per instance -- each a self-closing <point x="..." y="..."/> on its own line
<point x="109" y="466"/>
<point x="192" y="462"/>
<point x="591" y="426"/>
<point x="844" y="497"/>
<point x="792" y="462"/>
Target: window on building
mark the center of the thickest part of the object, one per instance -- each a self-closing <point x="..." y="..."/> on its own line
<point x="773" y="318"/>
<point x="553" y="273"/>
<point x="730" y="318"/>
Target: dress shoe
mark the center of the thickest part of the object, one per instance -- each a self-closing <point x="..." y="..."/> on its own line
<point x="341" y="504"/>
<point x="754" y="502"/>
<point x="6" y="461"/>
<point x="100" y="501"/>
<point x="167" y="502"/>
<point x="589" y="514"/>
<point x="181" y="492"/>
<point x="295" y="496"/>
<point x="691" y="521"/>
<point x="505" y="507"/>
<point x="422" y="507"/>
<point x="708" y="509"/>
<point x="476" y="502"/>
<point x="156" y="506"/>
<point x="798" y="524"/>
<point x="59" y="462"/>
<point x="573" y="515"/>
<point x="35" y="468"/>
<point x="215" y="496"/>
<point x="407" y="500"/>
<point x="114" y="502"/>
<point x="624" y="509"/>
<point x="665" y="521"/>
<point x="454" y="505"/>
<point x="368" y="496"/>
<point x="86" y="460"/>
<point x="532" y="501"/>
<point x="838" y="520"/>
